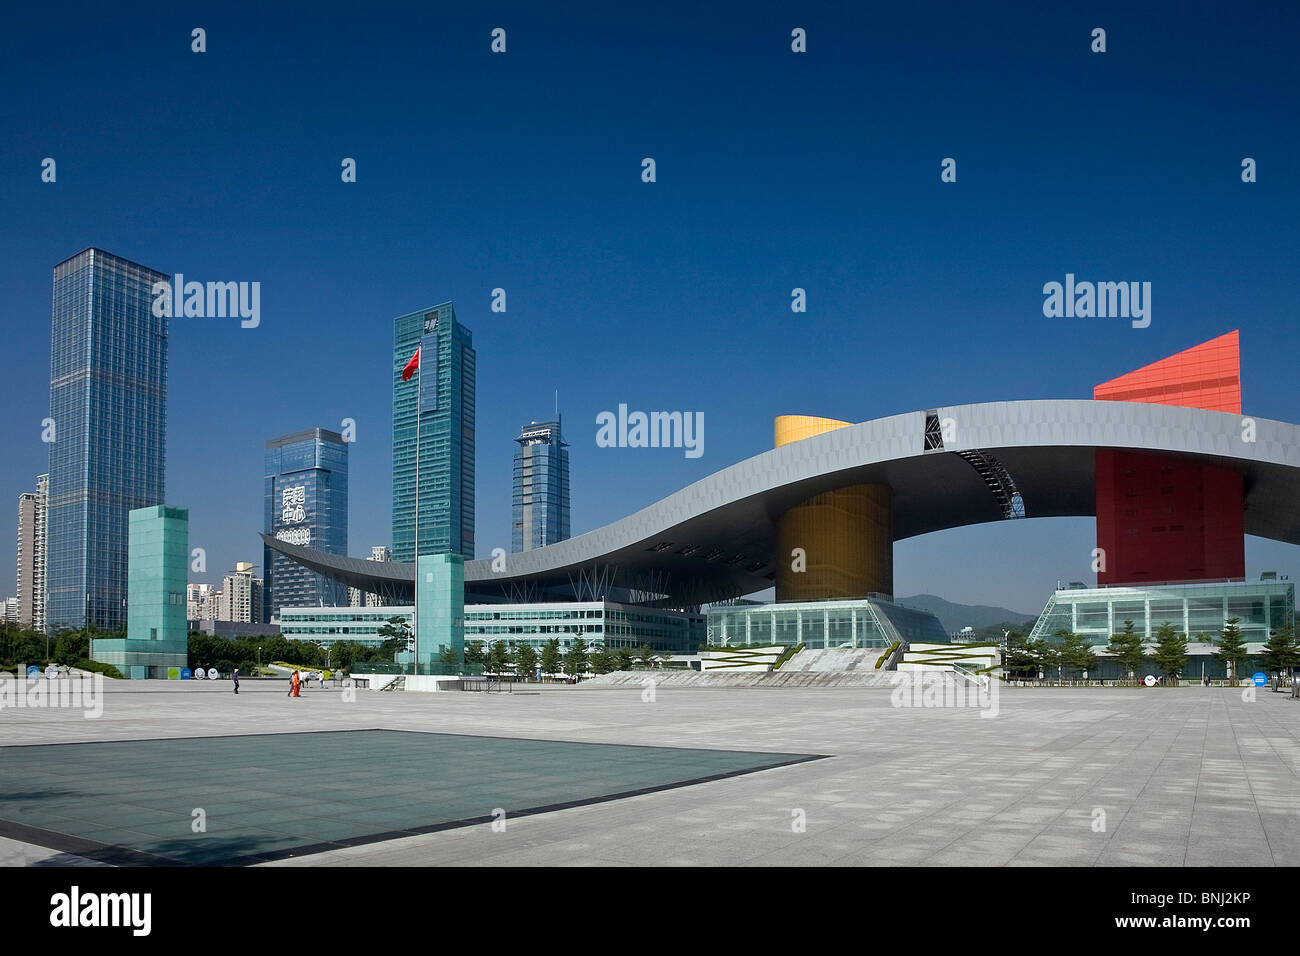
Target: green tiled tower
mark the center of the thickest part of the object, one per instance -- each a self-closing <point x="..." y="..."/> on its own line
<point x="156" y="628"/>
<point x="440" y="587"/>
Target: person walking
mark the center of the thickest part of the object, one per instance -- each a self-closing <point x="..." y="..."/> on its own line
<point x="235" y="678"/>
<point x="297" y="680"/>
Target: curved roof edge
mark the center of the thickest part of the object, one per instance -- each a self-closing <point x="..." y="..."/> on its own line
<point x="713" y="538"/>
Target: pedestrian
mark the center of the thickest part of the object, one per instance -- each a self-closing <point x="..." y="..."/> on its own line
<point x="235" y="678"/>
<point x="297" y="680"/>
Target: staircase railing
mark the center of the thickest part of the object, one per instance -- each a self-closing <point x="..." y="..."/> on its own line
<point x="891" y="660"/>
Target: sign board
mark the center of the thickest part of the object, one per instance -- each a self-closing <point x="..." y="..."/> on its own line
<point x="186" y="673"/>
<point x="1260" y="679"/>
<point x="212" y="673"/>
<point x="1149" y="681"/>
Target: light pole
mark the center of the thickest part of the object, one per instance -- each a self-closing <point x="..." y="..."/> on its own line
<point x="259" y="658"/>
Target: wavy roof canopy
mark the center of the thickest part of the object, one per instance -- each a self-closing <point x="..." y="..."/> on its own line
<point x="713" y="539"/>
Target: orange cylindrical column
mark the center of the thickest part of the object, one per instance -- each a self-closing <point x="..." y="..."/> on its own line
<point x="838" y="544"/>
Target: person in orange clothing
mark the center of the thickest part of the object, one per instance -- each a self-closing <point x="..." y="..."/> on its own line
<point x="295" y="681"/>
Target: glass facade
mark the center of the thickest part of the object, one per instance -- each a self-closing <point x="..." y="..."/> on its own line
<point x="1196" y="610"/>
<point x="597" y="622"/>
<point x="872" y="622"/>
<point x="541" y="487"/>
<point x="108" y="403"/>
<point x="306" y="503"/>
<point x="445" y="396"/>
<point x="1192" y="609"/>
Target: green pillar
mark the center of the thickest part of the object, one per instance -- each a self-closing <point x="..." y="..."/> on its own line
<point x="440" y="590"/>
<point x="157" y="635"/>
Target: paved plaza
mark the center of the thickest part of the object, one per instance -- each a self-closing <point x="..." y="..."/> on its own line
<point x="1161" y="777"/>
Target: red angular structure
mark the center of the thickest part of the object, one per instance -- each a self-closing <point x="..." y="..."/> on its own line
<point x="1162" y="518"/>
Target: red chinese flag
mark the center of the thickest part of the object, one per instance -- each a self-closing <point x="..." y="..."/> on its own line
<point x="411" y="366"/>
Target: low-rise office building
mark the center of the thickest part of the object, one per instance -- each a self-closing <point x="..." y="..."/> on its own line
<point x="604" y="623"/>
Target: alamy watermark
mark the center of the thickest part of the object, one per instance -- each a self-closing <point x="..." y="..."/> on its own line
<point x="44" y="693"/>
<point x="935" y="689"/>
<point x="651" y="430"/>
<point x="211" y="300"/>
<point x="1102" y="300"/>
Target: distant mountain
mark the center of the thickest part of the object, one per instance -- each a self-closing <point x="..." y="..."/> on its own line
<point x="956" y="616"/>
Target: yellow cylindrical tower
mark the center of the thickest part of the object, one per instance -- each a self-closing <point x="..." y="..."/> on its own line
<point x="838" y="544"/>
<point x="792" y="428"/>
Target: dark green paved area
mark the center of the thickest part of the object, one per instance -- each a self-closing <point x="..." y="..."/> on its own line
<point x="276" y="795"/>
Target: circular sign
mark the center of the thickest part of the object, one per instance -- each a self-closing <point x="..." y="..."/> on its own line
<point x="212" y="673"/>
<point x="1260" y="679"/>
<point x="186" y="673"/>
<point x="199" y="673"/>
<point x="173" y="673"/>
<point x="1149" y="681"/>
<point x="33" y="671"/>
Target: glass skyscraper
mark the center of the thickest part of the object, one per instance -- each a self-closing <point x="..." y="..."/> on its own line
<point x="446" y="408"/>
<point x="541" y="487"/>
<point x="108" y="406"/>
<point x="306" y="503"/>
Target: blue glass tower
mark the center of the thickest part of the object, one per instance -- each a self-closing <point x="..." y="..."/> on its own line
<point x="541" y="487"/>
<point x="306" y="503"/>
<point x="445" y="388"/>
<point x="108" y="405"/>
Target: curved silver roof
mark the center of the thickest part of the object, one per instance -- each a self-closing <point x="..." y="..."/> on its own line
<point x="714" y="538"/>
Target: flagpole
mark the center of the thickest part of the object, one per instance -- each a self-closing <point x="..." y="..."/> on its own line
<point x="415" y="614"/>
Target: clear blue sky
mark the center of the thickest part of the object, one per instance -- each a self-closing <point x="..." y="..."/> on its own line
<point x="775" y="170"/>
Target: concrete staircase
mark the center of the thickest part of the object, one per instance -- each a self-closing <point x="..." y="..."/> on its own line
<point x="834" y="660"/>
<point x="782" y="678"/>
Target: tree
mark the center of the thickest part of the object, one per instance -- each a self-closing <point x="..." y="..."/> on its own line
<point x="1019" y="662"/>
<point x="1170" y="652"/>
<point x="526" y="660"/>
<point x="1128" y="650"/>
<point x="551" y="656"/>
<point x="1281" y="650"/>
<point x="448" y="657"/>
<point x="1044" y="655"/>
<point x="500" y="657"/>
<point x="475" y="653"/>
<point x="575" y="661"/>
<point x="622" y="659"/>
<point x="1232" y="648"/>
<point x="602" y="661"/>
<point x="345" y="654"/>
<point x="398" y="634"/>
<point x="71" y="646"/>
<point x="1076" y="652"/>
<point x="665" y="658"/>
<point x="21" y="646"/>
<point x="644" y="654"/>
